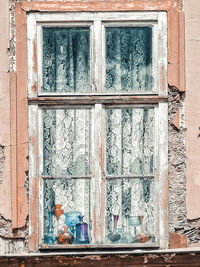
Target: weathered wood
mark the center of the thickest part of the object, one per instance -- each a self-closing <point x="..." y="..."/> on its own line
<point x="39" y="101"/>
<point x="96" y="163"/>
<point x="163" y="173"/>
<point x="162" y="55"/>
<point x="67" y="177"/>
<point x="88" y="100"/>
<point x="129" y="176"/>
<point x="100" y="246"/>
<point x="107" y="259"/>
<point x="33" y="176"/>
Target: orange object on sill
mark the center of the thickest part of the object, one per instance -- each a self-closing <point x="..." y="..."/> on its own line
<point x="58" y="210"/>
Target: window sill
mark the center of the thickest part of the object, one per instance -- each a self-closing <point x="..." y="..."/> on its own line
<point x="101" y="249"/>
<point x="136" y="251"/>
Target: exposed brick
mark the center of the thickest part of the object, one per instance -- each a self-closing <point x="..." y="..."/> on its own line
<point x="178" y="241"/>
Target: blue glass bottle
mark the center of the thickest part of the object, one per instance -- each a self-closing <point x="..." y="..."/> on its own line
<point x="50" y="237"/>
<point x="82" y="232"/>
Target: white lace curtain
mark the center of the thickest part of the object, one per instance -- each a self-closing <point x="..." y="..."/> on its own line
<point x="128" y="59"/>
<point x="66" y="60"/>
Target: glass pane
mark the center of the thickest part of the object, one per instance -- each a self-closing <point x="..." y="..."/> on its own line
<point x="66" y="142"/>
<point x="130" y="210"/>
<point x="66" y="60"/>
<point x="66" y="211"/>
<point x="129" y="141"/>
<point x="128" y="59"/>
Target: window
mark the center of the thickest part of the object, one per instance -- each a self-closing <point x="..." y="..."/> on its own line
<point x="100" y="117"/>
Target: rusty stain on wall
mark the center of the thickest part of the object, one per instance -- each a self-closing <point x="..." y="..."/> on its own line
<point x="178" y="241"/>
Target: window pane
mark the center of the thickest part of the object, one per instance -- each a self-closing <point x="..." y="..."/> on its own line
<point x="128" y="59"/>
<point x="66" y="60"/>
<point x="129" y="141"/>
<point x="66" y="135"/>
<point x="130" y="210"/>
<point x="66" y="201"/>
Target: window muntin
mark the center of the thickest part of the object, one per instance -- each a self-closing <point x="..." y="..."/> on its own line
<point x="66" y="172"/>
<point x="130" y="185"/>
<point x="101" y="218"/>
<point x="98" y="74"/>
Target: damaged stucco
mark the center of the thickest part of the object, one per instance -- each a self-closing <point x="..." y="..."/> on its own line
<point x="12" y="42"/>
<point x="2" y="159"/>
<point x="12" y="240"/>
<point x="186" y="232"/>
<point x="180" y="2"/>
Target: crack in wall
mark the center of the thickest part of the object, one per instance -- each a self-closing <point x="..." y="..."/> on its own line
<point x="2" y="159"/>
<point x="12" y="42"/>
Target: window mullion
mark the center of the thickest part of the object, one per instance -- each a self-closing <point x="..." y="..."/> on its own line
<point x="97" y="54"/>
<point x="98" y="181"/>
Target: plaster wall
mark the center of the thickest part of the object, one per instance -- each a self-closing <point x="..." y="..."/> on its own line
<point x="192" y="59"/>
<point x="5" y="182"/>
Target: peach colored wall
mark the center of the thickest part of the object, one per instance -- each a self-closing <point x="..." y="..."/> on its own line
<point x="192" y="38"/>
<point x="5" y="187"/>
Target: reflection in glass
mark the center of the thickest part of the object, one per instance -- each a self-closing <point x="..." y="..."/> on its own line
<point x="128" y="59"/>
<point x="136" y="218"/>
<point x="73" y="198"/>
<point x="129" y="141"/>
<point x="66" y="134"/>
<point x="82" y="232"/>
<point x="66" y="60"/>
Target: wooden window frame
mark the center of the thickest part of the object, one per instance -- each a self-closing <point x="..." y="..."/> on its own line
<point x="97" y="22"/>
<point x="175" y="22"/>
<point x="39" y="100"/>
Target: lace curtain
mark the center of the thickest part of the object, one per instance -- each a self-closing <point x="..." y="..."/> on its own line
<point x="66" y="60"/>
<point x="128" y="59"/>
<point x="129" y="141"/>
<point x="131" y="197"/>
<point x="72" y="194"/>
<point x="66" y="134"/>
<point x="66" y="152"/>
<point x="129" y="151"/>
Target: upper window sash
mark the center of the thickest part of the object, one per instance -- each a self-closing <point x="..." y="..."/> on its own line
<point x="98" y="23"/>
